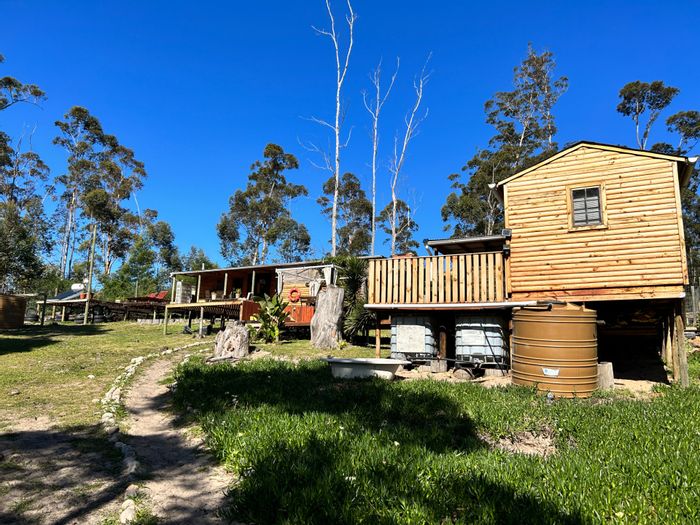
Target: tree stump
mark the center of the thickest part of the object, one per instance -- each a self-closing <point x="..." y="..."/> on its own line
<point x="606" y="378"/>
<point x="326" y="328"/>
<point x="232" y="343"/>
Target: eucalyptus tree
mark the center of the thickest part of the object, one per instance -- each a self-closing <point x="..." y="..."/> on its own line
<point x="354" y="213"/>
<point x="12" y="91"/>
<point x="258" y="218"/>
<point x="412" y="123"/>
<point x="24" y="231"/>
<point x="396" y="220"/>
<point x="24" y="235"/>
<point x="524" y="124"/>
<point x="373" y="105"/>
<point x="342" y="63"/>
<point x="644" y="102"/>
<point x="197" y="259"/>
<point x="102" y="176"/>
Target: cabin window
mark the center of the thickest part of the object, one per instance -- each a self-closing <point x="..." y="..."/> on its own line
<point x="586" y="207"/>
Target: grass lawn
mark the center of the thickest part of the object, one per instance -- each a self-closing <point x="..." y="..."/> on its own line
<point x="311" y="449"/>
<point x="44" y="370"/>
<point x="302" y="349"/>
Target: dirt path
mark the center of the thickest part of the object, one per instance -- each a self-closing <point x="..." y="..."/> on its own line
<point x="182" y="482"/>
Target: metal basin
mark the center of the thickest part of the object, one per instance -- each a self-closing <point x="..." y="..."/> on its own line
<point x="358" y="368"/>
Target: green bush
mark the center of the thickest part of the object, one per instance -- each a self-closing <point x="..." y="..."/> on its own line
<point x="271" y="318"/>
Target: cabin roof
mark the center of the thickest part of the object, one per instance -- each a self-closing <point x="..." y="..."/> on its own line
<point x="683" y="174"/>
<point x="273" y="266"/>
<point x="467" y="244"/>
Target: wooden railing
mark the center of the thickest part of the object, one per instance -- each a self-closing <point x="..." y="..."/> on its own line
<point x="467" y="278"/>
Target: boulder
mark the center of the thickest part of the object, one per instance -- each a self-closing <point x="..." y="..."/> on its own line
<point x="233" y="342"/>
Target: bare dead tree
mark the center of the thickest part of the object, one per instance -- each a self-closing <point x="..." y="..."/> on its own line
<point x="342" y="63"/>
<point x="412" y="122"/>
<point x="374" y="107"/>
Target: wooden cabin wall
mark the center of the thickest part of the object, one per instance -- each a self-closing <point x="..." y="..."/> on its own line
<point x="638" y="252"/>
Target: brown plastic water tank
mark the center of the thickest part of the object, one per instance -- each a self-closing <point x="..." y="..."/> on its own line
<point x="555" y="348"/>
<point x="12" y="309"/>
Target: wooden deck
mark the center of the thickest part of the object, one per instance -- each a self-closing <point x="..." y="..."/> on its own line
<point x="437" y="280"/>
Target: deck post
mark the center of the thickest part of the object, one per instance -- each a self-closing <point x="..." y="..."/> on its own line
<point x="225" y="284"/>
<point x="199" y="285"/>
<point x="378" y="338"/>
<point x="680" y="357"/>
<point x="43" y="309"/>
<point x="165" y="321"/>
<point x="90" y="268"/>
<point x="201" y="321"/>
<point x="154" y="316"/>
<point x="172" y="290"/>
<point x="53" y="309"/>
<point x="443" y="343"/>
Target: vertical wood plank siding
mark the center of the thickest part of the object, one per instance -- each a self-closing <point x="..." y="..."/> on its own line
<point x="445" y="279"/>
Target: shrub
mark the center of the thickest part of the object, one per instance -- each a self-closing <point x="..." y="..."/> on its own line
<point x="271" y="318"/>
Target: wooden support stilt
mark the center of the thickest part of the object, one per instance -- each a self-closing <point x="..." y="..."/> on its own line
<point x="378" y="339"/>
<point x="43" y="310"/>
<point x="680" y="357"/>
<point x="201" y="321"/>
<point x="667" y="354"/>
<point x="165" y="322"/>
<point x="443" y="343"/>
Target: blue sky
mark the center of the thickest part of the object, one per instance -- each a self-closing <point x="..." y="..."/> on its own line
<point x="197" y="89"/>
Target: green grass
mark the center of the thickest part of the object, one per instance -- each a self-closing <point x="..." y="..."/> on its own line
<point x="311" y="449"/>
<point x="302" y="349"/>
<point x="50" y="365"/>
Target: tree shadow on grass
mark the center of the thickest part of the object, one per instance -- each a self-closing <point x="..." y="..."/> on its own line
<point x="310" y="475"/>
<point x="74" y="475"/>
<point x="33" y="337"/>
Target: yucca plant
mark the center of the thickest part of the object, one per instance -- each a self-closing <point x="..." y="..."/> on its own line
<point x="271" y="318"/>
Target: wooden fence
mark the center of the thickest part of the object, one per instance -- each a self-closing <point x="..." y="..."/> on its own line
<point x="468" y="278"/>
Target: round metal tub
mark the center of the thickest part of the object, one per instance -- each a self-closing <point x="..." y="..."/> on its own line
<point x="556" y="350"/>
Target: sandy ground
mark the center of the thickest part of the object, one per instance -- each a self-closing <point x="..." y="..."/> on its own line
<point x="52" y="476"/>
<point x="183" y="483"/>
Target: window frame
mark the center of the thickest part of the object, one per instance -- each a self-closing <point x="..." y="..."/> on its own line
<point x="603" y="224"/>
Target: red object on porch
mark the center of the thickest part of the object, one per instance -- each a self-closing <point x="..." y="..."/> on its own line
<point x="299" y="314"/>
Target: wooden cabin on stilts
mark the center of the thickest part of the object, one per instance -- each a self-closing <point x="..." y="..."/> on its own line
<point x="594" y="228"/>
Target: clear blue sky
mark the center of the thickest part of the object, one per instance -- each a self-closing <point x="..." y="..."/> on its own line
<point x="198" y="88"/>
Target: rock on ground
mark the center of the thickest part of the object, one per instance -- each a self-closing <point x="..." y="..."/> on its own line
<point x="233" y="342"/>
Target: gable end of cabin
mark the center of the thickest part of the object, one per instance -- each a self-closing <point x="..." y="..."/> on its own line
<point x="596" y="223"/>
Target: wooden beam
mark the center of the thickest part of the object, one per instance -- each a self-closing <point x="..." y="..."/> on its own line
<point x="165" y="322"/>
<point x="378" y="339"/>
<point x="680" y="356"/>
